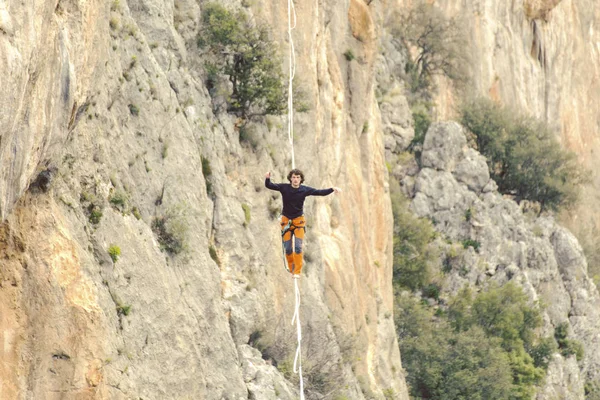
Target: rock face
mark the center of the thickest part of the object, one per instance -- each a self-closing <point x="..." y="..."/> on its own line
<point x="540" y="57"/>
<point x="544" y="258"/>
<point x="105" y="102"/>
<point x="109" y="142"/>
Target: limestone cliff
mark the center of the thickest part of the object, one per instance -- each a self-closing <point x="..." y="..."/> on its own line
<point x="541" y="57"/>
<point x="108" y="131"/>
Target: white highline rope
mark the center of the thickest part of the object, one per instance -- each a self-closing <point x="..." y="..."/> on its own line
<point x="292" y="71"/>
<point x="298" y="358"/>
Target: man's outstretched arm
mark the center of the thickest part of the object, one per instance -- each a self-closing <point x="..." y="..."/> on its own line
<point x="269" y="184"/>
<point x="323" y="192"/>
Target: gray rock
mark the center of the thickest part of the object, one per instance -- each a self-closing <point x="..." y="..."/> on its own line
<point x="443" y="147"/>
<point x="473" y="171"/>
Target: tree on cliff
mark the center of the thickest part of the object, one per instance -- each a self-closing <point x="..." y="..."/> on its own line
<point x="243" y="52"/>
<point x="523" y="155"/>
<point x="436" y="45"/>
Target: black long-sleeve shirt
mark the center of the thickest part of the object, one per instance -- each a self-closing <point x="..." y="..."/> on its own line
<point x="293" y="198"/>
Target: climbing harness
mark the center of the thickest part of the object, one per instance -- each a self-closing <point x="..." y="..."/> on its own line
<point x="287" y="228"/>
<point x="284" y="230"/>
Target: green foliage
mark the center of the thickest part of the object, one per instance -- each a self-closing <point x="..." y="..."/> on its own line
<point x="421" y="113"/>
<point x="504" y="312"/>
<point x="592" y="390"/>
<point x="92" y="204"/>
<point x="246" y="209"/>
<point x="123" y="309"/>
<point x="443" y="364"/>
<point x="114" y="251"/>
<point x="542" y="352"/>
<point x="134" y="110"/>
<point x="431" y="291"/>
<point x="482" y="347"/>
<point x="468" y="214"/>
<point x="95" y="214"/>
<point x="213" y="254"/>
<point x="413" y="252"/>
<point x="523" y="156"/>
<point x="471" y="243"/>
<point x="171" y="230"/>
<point x="118" y="199"/>
<point x="136" y="213"/>
<point x="207" y="172"/>
<point x="438" y="44"/>
<point x="349" y="54"/>
<point x="244" y="53"/>
<point x="422" y="121"/>
<point x="389" y="394"/>
<point x="566" y="346"/>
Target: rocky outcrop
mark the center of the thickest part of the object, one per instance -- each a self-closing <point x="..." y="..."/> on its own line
<point x="541" y="58"/>
<point x="544" y="258"/>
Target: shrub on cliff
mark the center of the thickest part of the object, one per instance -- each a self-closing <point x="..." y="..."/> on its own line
<point x="523" y="156"/>
<point x="454" y="353"/>
<point x="171" y="230"/>
<point x="443" y="364"/>
<point x="243" y="52"/>
<point x="414" y="252"/>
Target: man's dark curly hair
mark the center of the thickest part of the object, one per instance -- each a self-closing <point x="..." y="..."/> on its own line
<point x="296" y="172"/>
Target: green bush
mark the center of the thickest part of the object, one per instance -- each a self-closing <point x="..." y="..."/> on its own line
<point x="422" y="120"/>
<point x="431" y="291"/>
<point x="523" y="155"/>
<point x="542" y="352"/>
<point x="349" y="54"/>
<point x="453" y="354"/>
<point x="119" y="200"/>
<point x="114" y="251"/>
<point x="471" y="243"/>
<point x="123" y="309"/>
<point x="504" y="312"/>
<point x="134" y="110"/>
<point x="246" y="209"/>
<point x="171" y="230"/>
<point x="244" y="53"/>
<point x="443" y="364"/>
<point x="212" y="251"/>
<point x="566" y="346"/>
<point x="412" y="244"/>
<point x="207" y="172"/>
<point x="592" y="390"/>
<point x="95" y="214"/>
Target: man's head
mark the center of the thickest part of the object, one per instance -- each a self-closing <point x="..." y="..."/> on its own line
<point x="296" y="177"/>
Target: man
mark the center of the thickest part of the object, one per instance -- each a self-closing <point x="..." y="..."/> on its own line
<point x="292" y="216"/>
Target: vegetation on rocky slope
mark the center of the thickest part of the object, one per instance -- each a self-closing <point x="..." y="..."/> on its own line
<point x="523" y="155"/>
<point x="245" y="54"/>
<point x="451" y="347"/>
